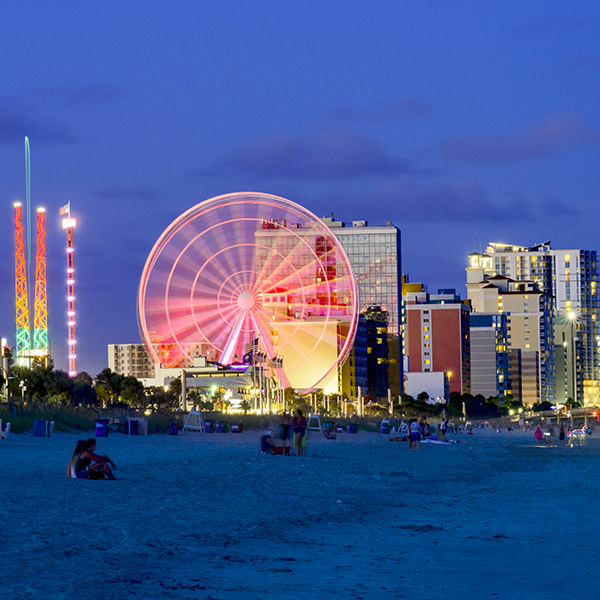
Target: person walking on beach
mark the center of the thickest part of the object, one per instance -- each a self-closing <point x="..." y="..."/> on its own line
<point x="443" y="429"/>
<point x="299" y="427"/>
<point x="89" y="465"/>
<point x="415" y="435"/>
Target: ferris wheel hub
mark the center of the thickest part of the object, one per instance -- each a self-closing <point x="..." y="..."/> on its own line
<point x="245" y="300"/>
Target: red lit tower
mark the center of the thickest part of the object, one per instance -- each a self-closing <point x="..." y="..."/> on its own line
<point x="69" y="225"/>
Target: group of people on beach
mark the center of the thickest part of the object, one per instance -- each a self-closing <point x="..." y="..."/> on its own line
<point x="86" y="464"/>
<point x="566" y="435"/>
<point x="287" y="429"/>
<point x="419" y="429"/>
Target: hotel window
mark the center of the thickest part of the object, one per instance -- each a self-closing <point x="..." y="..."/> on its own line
<point x="427" y="362"/>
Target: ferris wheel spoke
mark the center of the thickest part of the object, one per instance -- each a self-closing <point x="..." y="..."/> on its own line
<point x="262" y="329"/>
<point x="232" y="340"/>
<point x="306" y="271"/>
<point x="279" y="272"/>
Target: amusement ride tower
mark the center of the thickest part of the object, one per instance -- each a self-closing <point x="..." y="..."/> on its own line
<point x="69" y="225"/>
<point x="30" y="346"/>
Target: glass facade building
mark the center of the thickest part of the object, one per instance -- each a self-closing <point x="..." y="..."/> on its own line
<point x="375" y="256"/>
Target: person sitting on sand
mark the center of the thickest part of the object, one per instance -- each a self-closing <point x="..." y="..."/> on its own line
<point x="78" y="450"/>
<point x="329" y="436"/>
<point x="89" y="465"/>
<point x="266" y="444"/>
<point x="539" y="435"/>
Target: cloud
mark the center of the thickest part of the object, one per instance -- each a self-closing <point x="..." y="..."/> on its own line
<point x="582" y="63"/>
<point x="551" y="133"/>
<point x="137" y="194"/>
<point x="16" y="122"/>
<point x="331" y="153"/>
<point x="97" y="94"/>
<point x="559" y="26"/>
<point x="61" y="96"/>
<point x="391" y="111"/>
<point x="400" y="198"/>
<point x="555" y="207"/>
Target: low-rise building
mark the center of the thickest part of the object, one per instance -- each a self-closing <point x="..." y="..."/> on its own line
<point x="130" y="360"/>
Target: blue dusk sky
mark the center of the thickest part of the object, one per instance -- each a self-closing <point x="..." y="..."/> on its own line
<point x="462" y="122"/>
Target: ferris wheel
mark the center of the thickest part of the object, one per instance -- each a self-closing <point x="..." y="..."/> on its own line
<point x="250" y="272"/>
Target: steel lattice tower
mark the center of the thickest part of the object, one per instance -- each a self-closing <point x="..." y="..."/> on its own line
<point x="40" y="318"/>
<point x="22" y="303"/>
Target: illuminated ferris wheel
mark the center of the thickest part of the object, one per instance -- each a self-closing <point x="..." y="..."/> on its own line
<point x="250" y="271"/>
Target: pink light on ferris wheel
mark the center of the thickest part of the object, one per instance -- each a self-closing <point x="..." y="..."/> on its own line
<point x="244" y="266"/>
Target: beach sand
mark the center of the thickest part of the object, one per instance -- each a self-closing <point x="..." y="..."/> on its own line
<point x="207" y="516"/>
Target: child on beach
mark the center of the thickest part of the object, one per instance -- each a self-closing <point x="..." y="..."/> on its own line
<point x="89" y="465"/>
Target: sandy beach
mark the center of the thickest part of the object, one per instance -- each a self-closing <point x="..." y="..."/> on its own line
<point x="207" y="516"/>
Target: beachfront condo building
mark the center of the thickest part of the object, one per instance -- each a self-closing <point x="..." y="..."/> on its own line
<point x="130" y="360"/>
<point x="375" y="256"/>
<point x="571" y="277"/>
<point x="437" y="335"/>
<point x="489" y="355"/>
<point x="530" y="321"/>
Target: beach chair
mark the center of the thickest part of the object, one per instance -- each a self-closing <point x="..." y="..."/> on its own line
<point x="385" y="427"/>
<point x="193" y="422"/>
<point x="314" y="423"/>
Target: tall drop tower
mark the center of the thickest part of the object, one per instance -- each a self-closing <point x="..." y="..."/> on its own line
<point x="21" y="296"/>
<point x="30" y="344"/>
<point x="69" y="225"/>
<point x="40" y="313"/>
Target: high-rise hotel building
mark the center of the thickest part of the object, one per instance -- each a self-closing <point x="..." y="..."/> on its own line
<point x="375" y="256"/>
<point x="530" y="326"/>
<point x="571" y="277"/>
